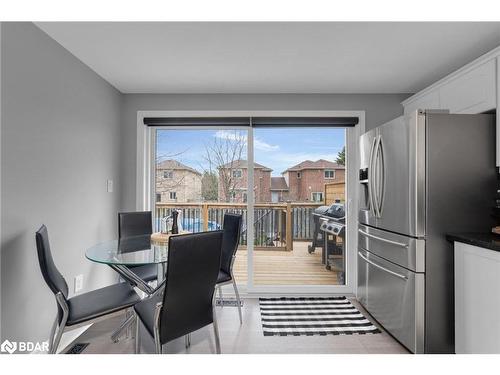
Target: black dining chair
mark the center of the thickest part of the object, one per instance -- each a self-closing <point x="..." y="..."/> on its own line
<point x="231" y="238"/>
<point x="82" y="308"/>
<point x="138" y="224"/>
<point x="187" y="303"/>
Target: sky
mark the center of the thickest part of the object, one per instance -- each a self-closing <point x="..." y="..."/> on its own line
<point x="276" y="148"/>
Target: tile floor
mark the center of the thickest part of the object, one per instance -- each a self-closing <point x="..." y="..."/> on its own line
<point x="242" y="339"/>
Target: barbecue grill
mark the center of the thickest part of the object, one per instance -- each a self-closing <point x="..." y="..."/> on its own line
<point x="326" y="214"/>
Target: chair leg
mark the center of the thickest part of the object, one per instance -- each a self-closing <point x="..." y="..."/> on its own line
<point x="52" y="334"/>
<point x="220" y="296"/>
<point x="216" y="333"/>
<point x="57" y="340"/>
<point x="158" y="346"/>
<point x="137" y="335"/>
<point x="238" y="300"/>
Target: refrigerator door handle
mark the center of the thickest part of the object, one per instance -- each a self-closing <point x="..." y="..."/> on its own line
<point x="371" y="178"/>
<point x="382" y="239"/>
<point x="381" y="181"/>
<point x="376" y="177"/>
<point x="381" y="268"/>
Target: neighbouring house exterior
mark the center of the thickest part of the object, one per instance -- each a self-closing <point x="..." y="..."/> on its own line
<point x="279" y="189"/>
<point x="176" y="182"/>
<point x="306" y="180"/>
<point x="238" y="177"/>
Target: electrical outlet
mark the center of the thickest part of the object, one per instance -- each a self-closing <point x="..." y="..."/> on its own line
<point x="78" y="283"/>
<point x="109" y="186"/>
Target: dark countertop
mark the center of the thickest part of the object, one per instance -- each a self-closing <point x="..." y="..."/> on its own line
<point x="486" y="240"/>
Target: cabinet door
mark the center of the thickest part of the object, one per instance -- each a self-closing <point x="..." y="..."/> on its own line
<point x="430" y="100"/>
<point x="472" y="92"/>
<point x="477" y="300"/>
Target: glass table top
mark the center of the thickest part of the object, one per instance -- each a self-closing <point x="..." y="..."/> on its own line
<point x="129" y="251"/>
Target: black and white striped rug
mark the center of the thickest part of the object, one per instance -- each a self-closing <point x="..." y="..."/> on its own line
<point x="312" y="316"/>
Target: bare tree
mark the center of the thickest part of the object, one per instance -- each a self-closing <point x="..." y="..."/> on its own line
<point x="223" y="155"/>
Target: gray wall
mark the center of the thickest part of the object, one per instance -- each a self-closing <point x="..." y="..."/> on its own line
<point x="379" y="109"/>
<point x="64" y="131"/>
<point x="60" y="142"/>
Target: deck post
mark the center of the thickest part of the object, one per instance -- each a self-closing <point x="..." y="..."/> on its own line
<point x="205" y="216"/>
<point x="288" y="221"/>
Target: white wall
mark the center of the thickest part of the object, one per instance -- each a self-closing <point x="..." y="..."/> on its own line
<point x="379" y="109"/>
<point x="60" y="141"/>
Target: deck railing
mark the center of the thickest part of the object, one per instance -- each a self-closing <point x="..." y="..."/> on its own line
<point x="276" y="225"/>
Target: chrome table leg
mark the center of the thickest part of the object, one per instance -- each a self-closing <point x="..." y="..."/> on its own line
<point x="124" y="326"/>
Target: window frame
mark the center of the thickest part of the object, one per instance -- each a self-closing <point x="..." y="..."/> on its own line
<point x="145" y="168"/>
<point x="316" y="192"/>
<point x="240" y="170"/>
<point x="329" y="170"/>
<point x="170" y="195"/>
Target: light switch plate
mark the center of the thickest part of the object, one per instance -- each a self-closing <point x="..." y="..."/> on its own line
<point x="109" y="186"/>
<point x="78" y="283"/>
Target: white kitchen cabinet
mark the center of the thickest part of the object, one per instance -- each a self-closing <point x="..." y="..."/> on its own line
<point x="477" y="299"/>
<point x="474" y="88"/>
<point x="428" y="101"/>
<point x="471" y="92"/>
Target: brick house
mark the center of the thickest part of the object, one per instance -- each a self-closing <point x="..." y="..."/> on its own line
<point x="239" y="178"/>
<point x="176" y="182"/>
<point x="279" y="190"/>
<point x="306" y="180"/>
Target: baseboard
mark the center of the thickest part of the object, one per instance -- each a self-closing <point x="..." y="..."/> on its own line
<point x="291" y="291"/>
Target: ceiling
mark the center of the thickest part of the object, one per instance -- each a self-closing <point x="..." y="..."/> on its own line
<point x="275" y="57"/>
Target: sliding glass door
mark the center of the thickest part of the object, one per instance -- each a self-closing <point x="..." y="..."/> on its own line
<point x="202" y="174"/>
<point x="281" y="179"/>
<point x="297" y="172"/>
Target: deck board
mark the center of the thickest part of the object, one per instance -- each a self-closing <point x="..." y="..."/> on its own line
<point x="296" y="267"/>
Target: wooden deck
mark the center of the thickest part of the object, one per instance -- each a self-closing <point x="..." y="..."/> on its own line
<point x="297" y="267"/>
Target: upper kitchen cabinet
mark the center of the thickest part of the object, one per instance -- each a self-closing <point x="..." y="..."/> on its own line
<point x="431" y="100"/>
<point x="471" y="89"/>
<point x="471" y="92"/>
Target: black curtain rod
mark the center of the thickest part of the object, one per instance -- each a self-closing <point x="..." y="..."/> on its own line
<point x="287" y="122"/>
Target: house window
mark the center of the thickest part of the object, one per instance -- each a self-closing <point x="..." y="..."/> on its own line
<point x="299" y="174"/>
<point x="158" y="197"/>
<point x="237" y="173"/>
<point x="173" y="195"/>
<point x="168" y="174"/>
<point x="317" y="197"/>
<point x="330" y="173"/>
<point x="245" y="197"/>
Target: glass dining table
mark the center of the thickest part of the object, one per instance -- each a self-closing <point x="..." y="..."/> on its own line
<point x="124" y="254"/>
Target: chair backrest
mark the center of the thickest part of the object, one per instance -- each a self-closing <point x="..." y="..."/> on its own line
<point x="192" y="270"/>
<point x="134" y="223"/>
<point x="50" y="273"/>
<point x="230" y="240"/>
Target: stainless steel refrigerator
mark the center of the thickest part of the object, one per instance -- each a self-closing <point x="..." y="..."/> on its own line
<point x="422" y="175"/>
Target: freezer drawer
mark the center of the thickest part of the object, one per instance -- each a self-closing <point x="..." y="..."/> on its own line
<point x="403" y="250"/>
<point x="394" y="296"/>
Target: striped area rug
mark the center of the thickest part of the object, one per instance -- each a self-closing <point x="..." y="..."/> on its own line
<point x="308" y="316"/>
